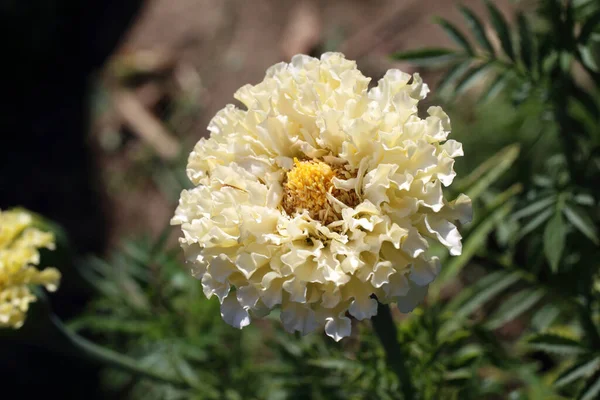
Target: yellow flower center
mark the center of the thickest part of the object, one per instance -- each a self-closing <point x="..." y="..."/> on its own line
<point x="306" y="188"/>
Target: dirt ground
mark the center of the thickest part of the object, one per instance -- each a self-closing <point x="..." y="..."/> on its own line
<point x="209" y="48"/>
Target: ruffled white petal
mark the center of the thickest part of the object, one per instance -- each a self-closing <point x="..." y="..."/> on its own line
<point x="233" y="313"/>
<point x="254" y="256"/>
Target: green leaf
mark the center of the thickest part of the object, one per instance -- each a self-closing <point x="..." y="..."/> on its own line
<point x="495" y="87"/>
<point x="588" y="27"/>
<point x="534" y="207"/>
<point x="543" y="318"/>
<point x="335" y="363"/>
<point x="584" y="199"/>
<point x="470" y="78"/>
<point x="556" y="344"/>
<point x="591" y="391"/>
<point x="473" y="243"/>
<point x="515" y="306"/>
<point x="483" y="291"/>
<point x="425" y="57"/>
<point x="582" y="222"/>
<point x="455" y="35"/>
<point x="525" y="41"/>
<point x="535" y="222"/>
<point x="501" y="28"/>
<point x="476" y="27"/>
<point x="488" y="172"/>
<point x="453" y="73"/>
<point x="587" y="102"/>
<point x="554" y="240"/>
<point x="582" y="369"/>
<point x="587" y="58"/>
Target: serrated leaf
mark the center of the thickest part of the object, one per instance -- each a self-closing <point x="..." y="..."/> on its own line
<point x="582" y="369"/>
<point x="455" y="35"/>
<point x="534" y="207"/>
<point x="588" y="27"/>
<point x="477" y="29"/>
<point x="453" y="73"/>
<point x="581" y="221"/>
<point x="525" y="41"/>
<point x="554" y="240"/>
<point x="470" y="78"/>
<point x="515" y="306"/>
<point x="501" y="28"/>
<point x="591" y="391"/>
<point x="483" y="291"/>
<point x="556" y="344"/>
<point x="425" y="57"/>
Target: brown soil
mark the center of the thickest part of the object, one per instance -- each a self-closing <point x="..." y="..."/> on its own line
<point x="216" y="46"/>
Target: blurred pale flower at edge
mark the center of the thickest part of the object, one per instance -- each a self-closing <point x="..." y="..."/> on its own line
<point x="322" y="197"/>
<point x="19" y="254"/>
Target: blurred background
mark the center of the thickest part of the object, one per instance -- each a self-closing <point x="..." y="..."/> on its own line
<point x="103" y="100"/>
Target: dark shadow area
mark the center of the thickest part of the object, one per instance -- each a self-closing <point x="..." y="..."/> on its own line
<point x="50" y="48"/>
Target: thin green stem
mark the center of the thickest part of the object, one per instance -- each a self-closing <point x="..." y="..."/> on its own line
<point x="384" y="327"/>
<point x="107" y="357"/>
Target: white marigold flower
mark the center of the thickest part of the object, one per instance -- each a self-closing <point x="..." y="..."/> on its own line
<point x="20" y="242"/>
<point x="320" y="197"/>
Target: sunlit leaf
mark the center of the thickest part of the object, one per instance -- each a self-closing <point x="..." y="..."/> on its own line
<point x="494" y="88"/>
<point x="477" y="29"/>
<point x="501" y="28"/>
<point x="582" y="222"/>
<point x="587" y="58"/>
<point x="483" y="291"/>
<point x="455" y="35"/>
<point x="453" y="73"/>
<point x="471" y="77"/>
<point x="536" y="222"/>
<point x="582" y="369"/>
<point x="591" y="391"/>
<point x="553" y="343"/>
<point x="543" y="318"/>
<point x="554" y="240"/>
<point x="515" y="306"/>
<point x="584" y="199"/>
<point x="488" y="172"/>
<point x="534" y="208"/>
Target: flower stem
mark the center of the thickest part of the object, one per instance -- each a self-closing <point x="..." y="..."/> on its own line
<point x="386" y="331"/>
<point x="107" y="357"/>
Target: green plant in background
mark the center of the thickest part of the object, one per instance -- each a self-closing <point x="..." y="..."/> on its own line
<point x="543" y="259"/>
<point x="516" y="316"/>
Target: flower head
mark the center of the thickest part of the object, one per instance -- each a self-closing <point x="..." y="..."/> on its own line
<point x="19" y="244"/>
<point x="321" y="196"/>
